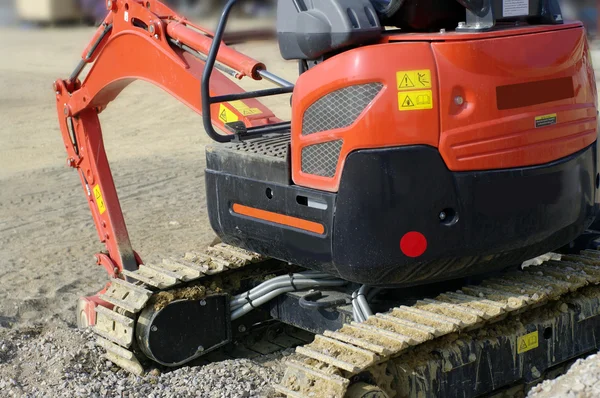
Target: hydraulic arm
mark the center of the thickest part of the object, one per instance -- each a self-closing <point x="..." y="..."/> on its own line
<point x="146" y="40"/>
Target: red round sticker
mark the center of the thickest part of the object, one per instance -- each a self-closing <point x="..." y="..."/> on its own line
<point x="413" y="244"/>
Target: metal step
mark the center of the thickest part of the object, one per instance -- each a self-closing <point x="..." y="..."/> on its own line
<point x="154" y="277"/>
<point x="188" y="271"/>
<point x="443" y="323"/>
<point x="468" y="316"/>
<point x="342" y="355"/>
<point x="214" y="265"/>
<point x="126" y="295"/>
<point x="326" y="384"/>
<point x="113" y="326"/>
<point x="513" y="300"/>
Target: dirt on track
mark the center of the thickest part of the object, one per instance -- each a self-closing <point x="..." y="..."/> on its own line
<point x="47" y="237"/>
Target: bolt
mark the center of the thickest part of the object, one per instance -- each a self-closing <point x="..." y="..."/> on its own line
<point x="154" y="328"/>
<point x="442" y="31"/>
<point x="461" y="24"/>
<point x="156" y="37"/>
<point x="109" y="5"/>
<point x="203" y="302"/>
<point x="442" y="215"/>
<point x="151" y="29"/>
<point x="66" y="110"/>
<point x="458" y="100"/>
<point x="535" y="372"/>
<point x="241" y="328"/>
<point x="200" y="349"/>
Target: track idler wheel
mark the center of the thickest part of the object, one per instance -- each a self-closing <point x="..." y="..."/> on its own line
<point x="82" y="318"/>
<point x="364" y="390"/>
<point x="85" y="312"/>
<point x="185" y="329"/>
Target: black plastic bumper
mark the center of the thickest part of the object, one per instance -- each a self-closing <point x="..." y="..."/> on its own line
<point x="493" y="219"/>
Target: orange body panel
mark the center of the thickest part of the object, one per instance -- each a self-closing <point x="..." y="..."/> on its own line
<point x="381" y="124"/>
<point x="479" y="136"/>
<point x="472" y="121"/>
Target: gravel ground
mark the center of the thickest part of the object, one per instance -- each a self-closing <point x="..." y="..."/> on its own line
<point x="581" y="381"/>
<point x="47" y="362"/>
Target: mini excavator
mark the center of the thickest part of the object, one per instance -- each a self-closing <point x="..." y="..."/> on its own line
<point x="435" y="147"/>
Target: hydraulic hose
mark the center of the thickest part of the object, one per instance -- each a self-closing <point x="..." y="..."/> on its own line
<point x="243" y="310"/>
<point x="275" y="283"/>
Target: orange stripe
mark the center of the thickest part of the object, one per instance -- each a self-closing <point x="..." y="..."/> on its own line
<point x="279" y="218"/>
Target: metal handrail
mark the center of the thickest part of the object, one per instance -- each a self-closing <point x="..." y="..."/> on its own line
<point x="207" y="100"/>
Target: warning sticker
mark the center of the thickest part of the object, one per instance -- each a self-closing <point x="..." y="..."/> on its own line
<point x="227" y="116"/>
<point x="527" y="342"/>
<point x="99" y="199"/>
<point x="415" y="100"/>
<point x="245" y="109"/>
<point x="515" y="8"/>
<point x="413" y="79"/>
<point x="545" y="120"/>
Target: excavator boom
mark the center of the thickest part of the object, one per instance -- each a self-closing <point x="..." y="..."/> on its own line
<point x="145" y="40"/>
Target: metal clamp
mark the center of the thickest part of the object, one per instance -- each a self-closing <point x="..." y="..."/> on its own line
<point x="309" y="301"/>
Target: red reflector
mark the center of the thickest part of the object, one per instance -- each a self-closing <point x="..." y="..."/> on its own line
<point x="413" y="244"/>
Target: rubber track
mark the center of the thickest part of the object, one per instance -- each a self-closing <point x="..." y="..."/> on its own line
<point x="325" y="366"/>
<point x="115" y="326"/>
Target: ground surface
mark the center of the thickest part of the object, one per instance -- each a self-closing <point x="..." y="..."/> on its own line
<point x="47" y="238"/>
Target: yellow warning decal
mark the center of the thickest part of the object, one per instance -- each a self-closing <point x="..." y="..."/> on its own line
<point x="99" y="199"/>
<point x="527" y="342"/>
<point x="545" y="120"/>
<point x="244" y="109"/>
<point x="415" y="100"/>
<point x="227" y="116"/>
<point x="413" y="79"/>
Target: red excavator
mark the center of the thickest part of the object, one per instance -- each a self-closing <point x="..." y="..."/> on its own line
<point x="434" y="147"/>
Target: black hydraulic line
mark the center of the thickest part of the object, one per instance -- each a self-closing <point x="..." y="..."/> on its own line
<point x="252" y="94"/>
<point x="81" y="64"/>
<point x="270" y="128"/>
<point x="300" y="5"/>
<point x="210" y="63"/>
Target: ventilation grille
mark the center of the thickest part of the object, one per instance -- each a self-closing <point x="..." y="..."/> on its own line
<point x="339" y="108"/>
<point x="275" y="145"/>
<point x="321" y="159"/>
